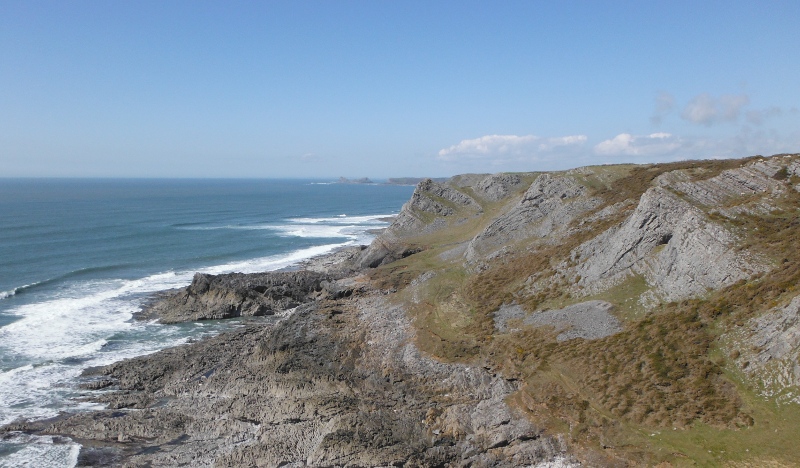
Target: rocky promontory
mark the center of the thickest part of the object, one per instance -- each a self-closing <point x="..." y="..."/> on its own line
<point x="215" y="297"/>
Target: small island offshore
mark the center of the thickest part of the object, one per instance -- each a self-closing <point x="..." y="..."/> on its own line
<point x="602" y="316"/>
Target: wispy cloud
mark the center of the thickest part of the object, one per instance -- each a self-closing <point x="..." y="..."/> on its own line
<point x="665" y="102"/>
<point x="506" y="146"/>
<point x="309" y="157"/>
<point x="625" y="144"/>
<point x="754" y="140"/>
<point x="758" y="116"/>
<point x="707" y="110"/>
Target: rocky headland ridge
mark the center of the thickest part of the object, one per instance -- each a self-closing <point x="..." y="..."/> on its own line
<point x="619" y="315"/>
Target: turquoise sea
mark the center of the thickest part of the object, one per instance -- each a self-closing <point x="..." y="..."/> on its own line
<point x="79" y="256"/>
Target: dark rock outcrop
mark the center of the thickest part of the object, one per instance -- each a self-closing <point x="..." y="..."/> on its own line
<point x="363" y="180"/>
<point x="231" y="295"/>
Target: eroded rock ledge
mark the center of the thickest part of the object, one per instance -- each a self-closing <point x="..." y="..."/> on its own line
<point x="213" y="297"/>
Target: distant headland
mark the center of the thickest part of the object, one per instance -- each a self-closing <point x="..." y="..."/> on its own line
<point x="389" y="181"/>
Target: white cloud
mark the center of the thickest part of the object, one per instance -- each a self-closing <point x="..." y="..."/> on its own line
<point x="625" y="144"/>
<point x="507" y="146"/>
<point x="548" y="144"/>
<point x="662" y="147"/>
<point x="489" y="145"/>
<point x="707" y="110"/>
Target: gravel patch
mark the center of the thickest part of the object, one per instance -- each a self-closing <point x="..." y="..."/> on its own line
<point x="588" y="320"/>
<point x="506" y="313"/>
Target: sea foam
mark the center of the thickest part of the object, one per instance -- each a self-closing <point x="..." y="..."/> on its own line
<point x="38" y="451"/>
<point x="89" y="324"/>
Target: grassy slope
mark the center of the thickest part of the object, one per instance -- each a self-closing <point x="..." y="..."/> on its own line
<point x="664" y="389"/>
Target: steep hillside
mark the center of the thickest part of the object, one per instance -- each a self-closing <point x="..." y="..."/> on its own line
<point x="626" y="300"/>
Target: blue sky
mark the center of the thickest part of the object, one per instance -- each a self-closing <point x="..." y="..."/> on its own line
<point x="382" y="89"/>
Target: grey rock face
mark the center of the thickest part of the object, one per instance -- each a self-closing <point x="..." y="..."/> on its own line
<point x="466" y="180"/>
<point x="777" y="334"/>
<point x="337" y="383"/>
<point x="618" y="249"/>
<point x="485" y="431"/>
<point x="429" y="187"/>
<point x="769" y="348"/>
<point x="429" y="200"/>
<point x="678" y="249"/>
<point x="549" y="205"/>
<point x="237" y="295"/>
<point x="697" y="258"/>
<point x="498" y="186"/>
<point x="756" y="177"/>
<point x="386" y="248"/>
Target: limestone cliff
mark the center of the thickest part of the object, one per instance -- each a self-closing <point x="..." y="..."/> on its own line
<point x="432" y="207"/>
<point x="678" y="249"/>
<point x="548" y="206"/>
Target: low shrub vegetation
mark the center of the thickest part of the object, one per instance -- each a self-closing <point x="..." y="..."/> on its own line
<point x="663" y="371"/>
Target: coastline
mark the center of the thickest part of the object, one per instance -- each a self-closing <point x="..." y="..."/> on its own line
<point x="334" y="381"/>
<point x="339" y="258"/>
<point x="419" y="350"/>
<point x="81" y="316"/>
<point x="93" y="452"/>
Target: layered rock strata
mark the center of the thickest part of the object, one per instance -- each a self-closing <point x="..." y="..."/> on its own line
<point x="431" y="205"/>
<point x="768" y="350"/>
<point x="549" y="205"/>
<point x="678" y="249"/>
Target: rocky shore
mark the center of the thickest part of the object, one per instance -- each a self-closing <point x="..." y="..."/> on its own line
<point x="329" y="377"/>
<point x="602" y="316"/>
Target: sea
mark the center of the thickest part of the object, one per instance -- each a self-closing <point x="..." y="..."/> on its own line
<point x="79" y="256"/>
